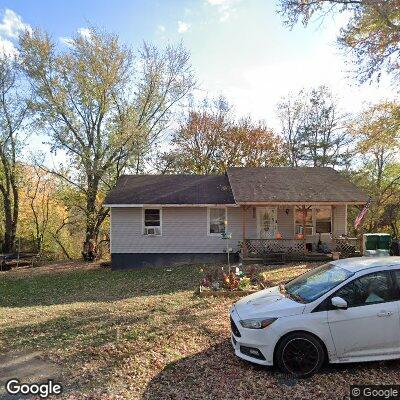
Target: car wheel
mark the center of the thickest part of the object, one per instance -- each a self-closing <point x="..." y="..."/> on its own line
<point x="300" y="354"/>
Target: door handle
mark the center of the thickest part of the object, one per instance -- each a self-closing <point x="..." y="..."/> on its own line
<point x="385" y="314"/>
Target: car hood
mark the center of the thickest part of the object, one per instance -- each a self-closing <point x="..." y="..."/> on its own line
<point x="267" y="303"/>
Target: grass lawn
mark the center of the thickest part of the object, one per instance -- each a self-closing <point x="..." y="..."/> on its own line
<point x="142" y="334"/>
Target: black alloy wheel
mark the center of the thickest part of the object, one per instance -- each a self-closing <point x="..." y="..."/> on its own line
<point x="300" y="355"/>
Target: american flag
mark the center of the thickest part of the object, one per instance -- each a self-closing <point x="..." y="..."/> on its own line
<point x="360" y="216"/>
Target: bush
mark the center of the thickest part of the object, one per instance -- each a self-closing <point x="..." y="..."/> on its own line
<point x="244" y="283"/>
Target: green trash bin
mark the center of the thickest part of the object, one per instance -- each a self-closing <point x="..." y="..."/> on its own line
<point x="376" y="244"/>
<point x="384" y="242"/>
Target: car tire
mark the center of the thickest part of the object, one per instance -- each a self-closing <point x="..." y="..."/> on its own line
<point x="299" y="354"/>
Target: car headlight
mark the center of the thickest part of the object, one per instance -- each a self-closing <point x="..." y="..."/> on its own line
<point x="257" y="323"/>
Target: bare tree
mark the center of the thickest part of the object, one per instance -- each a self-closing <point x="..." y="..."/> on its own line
<point x="315" y="131"/>
<point x="291" y="114"/>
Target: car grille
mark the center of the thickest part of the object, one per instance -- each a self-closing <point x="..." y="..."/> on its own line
<point x="234" y="328"/>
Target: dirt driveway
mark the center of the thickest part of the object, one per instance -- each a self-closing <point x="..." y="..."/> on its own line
<point x="27" y="366"/>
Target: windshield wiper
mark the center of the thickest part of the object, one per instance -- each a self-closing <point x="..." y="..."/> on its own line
<point x="292" y="296"/>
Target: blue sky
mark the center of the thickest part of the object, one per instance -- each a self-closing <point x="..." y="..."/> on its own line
<point x="239" y="48"/>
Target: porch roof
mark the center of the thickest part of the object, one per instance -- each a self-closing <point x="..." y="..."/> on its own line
<point x="291" y="185"/>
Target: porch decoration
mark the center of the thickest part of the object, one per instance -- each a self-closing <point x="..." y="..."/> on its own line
<point x="216" y="282"/>
<point x="227" y="236"/>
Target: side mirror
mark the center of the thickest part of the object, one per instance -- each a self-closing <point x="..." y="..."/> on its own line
<point x="339" y="303"/>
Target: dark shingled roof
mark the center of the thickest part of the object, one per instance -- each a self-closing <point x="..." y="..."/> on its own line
<point x="286" y="184"/>
<point x="171" y="189"/>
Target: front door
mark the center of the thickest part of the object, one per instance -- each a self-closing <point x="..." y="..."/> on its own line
<point x="266" y="222"/>
<point x="370" y="326"/>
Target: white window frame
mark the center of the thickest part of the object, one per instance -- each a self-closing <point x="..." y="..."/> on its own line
<point x="208" y="220"/>
<point x="143" y="219"/>
<point x="314" y="220"/>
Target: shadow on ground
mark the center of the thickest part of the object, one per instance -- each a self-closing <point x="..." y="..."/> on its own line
<point x="94" y="285"/>
<point x="217" y="374"/>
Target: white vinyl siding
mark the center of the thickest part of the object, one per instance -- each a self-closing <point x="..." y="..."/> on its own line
<point x="184" y="229"/>
<point x="285" y="221"/>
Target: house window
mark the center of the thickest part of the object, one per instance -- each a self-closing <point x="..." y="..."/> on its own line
<point x="152" y="221"/>
<point x="308" y="225"/>
<point x="318" y="220"/>
<point x="323" y="219"/>
<point x="216" y="221"/>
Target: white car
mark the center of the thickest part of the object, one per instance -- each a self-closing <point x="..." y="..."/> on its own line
<point x="344" y="311"/>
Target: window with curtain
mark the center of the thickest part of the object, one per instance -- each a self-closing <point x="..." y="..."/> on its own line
<point x="216" y="223"/>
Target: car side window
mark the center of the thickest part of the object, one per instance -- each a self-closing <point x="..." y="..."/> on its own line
<point x="368" y="289"/>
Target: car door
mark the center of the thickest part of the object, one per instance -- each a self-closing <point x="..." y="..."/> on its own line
<point x="369" y="327"/>
<point x="396" y="277"/>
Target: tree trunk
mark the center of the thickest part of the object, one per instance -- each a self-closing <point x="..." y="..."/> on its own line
<point x="89" y="251"/>
<point x="10" y="225"/>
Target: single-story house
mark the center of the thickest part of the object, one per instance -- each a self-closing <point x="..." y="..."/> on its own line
<point x="170" y="219"/>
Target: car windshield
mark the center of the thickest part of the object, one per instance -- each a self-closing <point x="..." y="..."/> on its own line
<point x="313" y="284"/>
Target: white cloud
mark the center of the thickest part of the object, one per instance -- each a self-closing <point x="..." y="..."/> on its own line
<point x="183" y="27"/>
<point x="218" y="2"/>
<point x="12" y="24"/>
<point x="67" y="41"/>
<point x="224" y="8"/>
<point x="256" y="89"/>
<point x="161" y="28"/>
<point x="7" y="47"/>
<point x="85" y="33"/>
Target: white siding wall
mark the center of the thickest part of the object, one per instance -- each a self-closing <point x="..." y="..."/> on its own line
<point x="184" y="229"/>
<point x="286" y="222"/>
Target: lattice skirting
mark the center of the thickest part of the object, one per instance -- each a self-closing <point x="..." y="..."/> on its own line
<point x="263" y="247"/>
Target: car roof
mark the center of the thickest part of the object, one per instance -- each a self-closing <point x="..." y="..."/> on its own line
<point x="360" y="263"/>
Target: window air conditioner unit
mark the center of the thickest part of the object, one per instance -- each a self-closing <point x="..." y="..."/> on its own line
<point x="152" y="230"/>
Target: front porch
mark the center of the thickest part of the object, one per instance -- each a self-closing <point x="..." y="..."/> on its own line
<point x="303" y="232"/>
<point x="267" y="250"/>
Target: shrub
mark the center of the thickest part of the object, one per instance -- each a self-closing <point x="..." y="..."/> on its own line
<point x="244" y="283"/>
